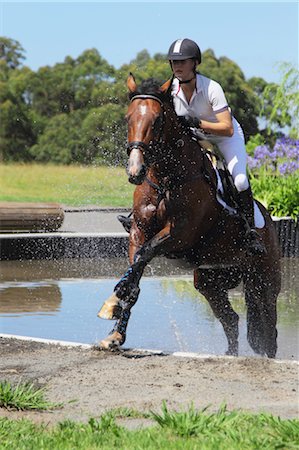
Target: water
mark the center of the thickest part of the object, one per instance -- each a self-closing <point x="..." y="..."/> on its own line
<point x="60" y="300"/>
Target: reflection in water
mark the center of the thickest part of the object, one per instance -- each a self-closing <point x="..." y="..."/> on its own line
<point x="37" y="297"/>
<point x="60" y="300"/>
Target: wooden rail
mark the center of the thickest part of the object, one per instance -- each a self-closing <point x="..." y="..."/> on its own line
<point x="16" y="216"/>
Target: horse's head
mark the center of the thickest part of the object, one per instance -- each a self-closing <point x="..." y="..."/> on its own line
<point x="145" y="123"/>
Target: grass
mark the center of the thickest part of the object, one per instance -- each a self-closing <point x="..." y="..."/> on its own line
<point x="190" y="429"/>
<point x="109" y="186"/>
<point x="23" y="396"/>
<point x="67" y="185"/>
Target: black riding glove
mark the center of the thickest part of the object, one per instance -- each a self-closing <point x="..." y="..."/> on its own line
<point x="192" y="122"/>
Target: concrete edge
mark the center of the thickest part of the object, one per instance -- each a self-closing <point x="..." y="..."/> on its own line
<point x="63" y="234"/>
<point x="83" y="346"/>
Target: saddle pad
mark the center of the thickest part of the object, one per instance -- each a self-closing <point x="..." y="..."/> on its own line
<point x="258" y="217"/>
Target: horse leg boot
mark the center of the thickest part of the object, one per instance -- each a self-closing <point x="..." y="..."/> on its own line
<point x="117" y="335"/>
<point x="254" y="244"/>
<point x="126" y="292"/>
<point x="127" y="289"/>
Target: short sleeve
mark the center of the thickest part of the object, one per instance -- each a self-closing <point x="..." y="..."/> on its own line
<point x="217" y="97"/>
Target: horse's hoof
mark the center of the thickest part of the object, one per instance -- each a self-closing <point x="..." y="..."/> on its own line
<point x="232" y="352"/>
<point x="112" y="342"/>
<point x="111" y="309"/>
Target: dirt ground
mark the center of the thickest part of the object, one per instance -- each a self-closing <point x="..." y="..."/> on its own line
<point x="89" y="382"/>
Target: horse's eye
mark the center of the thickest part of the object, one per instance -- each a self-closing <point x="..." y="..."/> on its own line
<point x="157" y="125"/>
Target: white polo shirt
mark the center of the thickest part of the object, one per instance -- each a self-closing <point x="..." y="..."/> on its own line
<point x="207" y="99"/>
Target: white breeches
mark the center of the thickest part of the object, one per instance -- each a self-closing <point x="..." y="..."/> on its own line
<point x="234" y="152"/>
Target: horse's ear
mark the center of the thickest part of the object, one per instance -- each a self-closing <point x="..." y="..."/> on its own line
<point x="131" y="83"/>
<point x="166" y="86"/>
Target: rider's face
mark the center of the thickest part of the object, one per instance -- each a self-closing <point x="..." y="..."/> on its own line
<point x="183" y="70"/>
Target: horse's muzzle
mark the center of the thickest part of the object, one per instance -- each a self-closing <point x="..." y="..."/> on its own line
<point x="139" y="177"/>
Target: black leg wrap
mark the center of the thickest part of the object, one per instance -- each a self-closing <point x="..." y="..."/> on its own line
<point x="121" y="325"/>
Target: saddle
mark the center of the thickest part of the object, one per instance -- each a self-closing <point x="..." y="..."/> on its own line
<point x="226" y="188"/>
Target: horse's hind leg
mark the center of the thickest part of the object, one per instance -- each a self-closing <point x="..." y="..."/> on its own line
<point x="261" y="294"/>
<point x="214" y="285"/>
<point x="218" y="300"/>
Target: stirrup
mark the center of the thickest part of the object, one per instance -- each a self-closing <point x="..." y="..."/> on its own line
<point x="254" y="244"/>
<point x="126" y="222"/>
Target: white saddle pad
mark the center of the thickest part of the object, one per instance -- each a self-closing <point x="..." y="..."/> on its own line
<point x="258" y="217"/>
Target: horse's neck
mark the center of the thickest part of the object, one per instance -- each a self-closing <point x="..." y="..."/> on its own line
<point x="182" y="147"/>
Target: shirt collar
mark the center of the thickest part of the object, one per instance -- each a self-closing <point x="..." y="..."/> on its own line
<point x="177" y="86"/>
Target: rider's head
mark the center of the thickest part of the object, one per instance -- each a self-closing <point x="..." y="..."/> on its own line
<point x="183" y="50"/>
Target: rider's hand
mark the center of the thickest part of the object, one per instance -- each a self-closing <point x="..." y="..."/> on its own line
<point x="192" y="122"/>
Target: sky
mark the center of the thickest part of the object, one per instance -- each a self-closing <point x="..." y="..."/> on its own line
<point x="255" y="35"/>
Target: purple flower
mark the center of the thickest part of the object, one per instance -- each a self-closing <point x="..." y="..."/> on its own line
<point x="284" y="157"/>
<point x="253" y="163"/>
<point x="262" y="152"/>
<point x="288" y="167"/>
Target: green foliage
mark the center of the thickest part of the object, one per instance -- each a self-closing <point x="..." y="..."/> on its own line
<point x="239" y="93"/>
<point x="274" y="175"/>
<point x="51" y="114"/>
<point x="61" y="140"/>
<point x="23" y="396"/>
<point x="279" y="195"/>
<point x="11" y="53"/>
<point x="103" y="132"/>
<point x="281" y="102"/>
<point x="253" y="142"/>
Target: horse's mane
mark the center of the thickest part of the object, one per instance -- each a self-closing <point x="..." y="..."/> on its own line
<point x="150" y="86"/>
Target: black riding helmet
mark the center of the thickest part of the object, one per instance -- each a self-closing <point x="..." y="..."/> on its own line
<point x="184" y="49"/>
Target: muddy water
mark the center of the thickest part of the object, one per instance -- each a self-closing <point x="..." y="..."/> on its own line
<point x="60" y="300"/>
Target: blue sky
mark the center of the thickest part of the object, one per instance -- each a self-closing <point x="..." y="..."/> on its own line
<point x="255" y="35"/>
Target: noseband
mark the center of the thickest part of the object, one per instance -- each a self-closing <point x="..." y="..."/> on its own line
<point x="140" y="144"/>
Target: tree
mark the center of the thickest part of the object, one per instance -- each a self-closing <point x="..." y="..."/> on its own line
<point x="61" y="140"/>
<point x="69" y="86"/>
<point x="284" y="99"/>
<point x="11" y="53"/>
<point x="239" y="93"/>
<point x="17" y="132"/>
<point x="104" y="135"/>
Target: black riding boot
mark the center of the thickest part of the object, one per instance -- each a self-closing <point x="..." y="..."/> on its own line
<point x="255" y="245"/>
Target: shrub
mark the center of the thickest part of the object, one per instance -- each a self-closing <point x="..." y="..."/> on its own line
<point x="274" y="176"/>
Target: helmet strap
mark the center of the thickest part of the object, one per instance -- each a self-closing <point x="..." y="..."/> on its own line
<point x="186" y="81"/>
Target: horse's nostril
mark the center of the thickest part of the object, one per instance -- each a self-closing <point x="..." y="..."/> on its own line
<point x="135" y="180"/>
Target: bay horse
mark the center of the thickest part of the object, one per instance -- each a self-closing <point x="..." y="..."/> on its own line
<point x="176" y="214"/>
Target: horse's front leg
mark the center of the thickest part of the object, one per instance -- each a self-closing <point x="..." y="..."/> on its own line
<point x="126" y="292"/>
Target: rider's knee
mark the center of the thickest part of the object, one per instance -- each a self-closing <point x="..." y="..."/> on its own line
<point x="241" y="182"/>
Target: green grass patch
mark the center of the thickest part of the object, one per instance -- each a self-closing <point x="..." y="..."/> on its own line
<point x="24" y="396"/>
<point x="67" y="185"/>
<point x="190" y="429"/>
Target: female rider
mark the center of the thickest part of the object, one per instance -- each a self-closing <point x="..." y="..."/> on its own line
<point x="203" y="104"/>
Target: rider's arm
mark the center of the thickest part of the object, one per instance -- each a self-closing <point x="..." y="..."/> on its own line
<point x="223" y="126"/>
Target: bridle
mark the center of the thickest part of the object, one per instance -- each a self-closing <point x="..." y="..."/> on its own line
<point x="157" y="142"/>
<point x="158" y="126"/>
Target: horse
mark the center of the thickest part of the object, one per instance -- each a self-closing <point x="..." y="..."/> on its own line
<point x="176" y="214"/>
